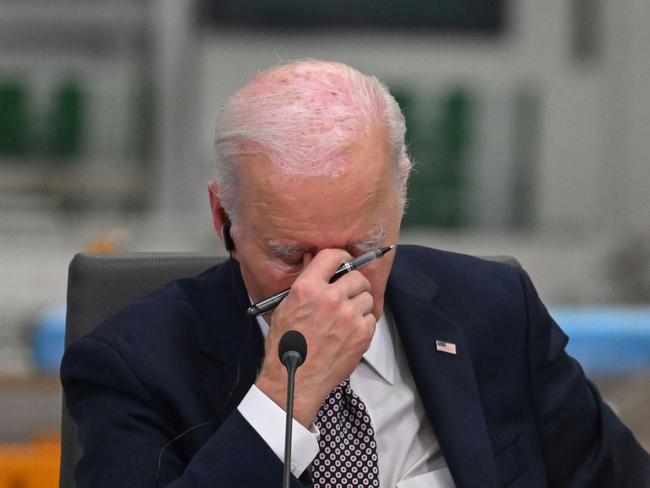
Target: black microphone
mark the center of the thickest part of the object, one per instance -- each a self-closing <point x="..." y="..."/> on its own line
<point x="293" y="352"/>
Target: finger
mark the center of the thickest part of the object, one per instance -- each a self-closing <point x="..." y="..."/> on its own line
<point x="363" y="303"/>
<point x="325" y="263"/>
<point x="371" y="322"/>
<point x="306" y="259"/>
<point x="352" y="284"/>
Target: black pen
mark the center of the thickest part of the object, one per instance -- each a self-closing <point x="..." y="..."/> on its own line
<point x="270" y="303"/>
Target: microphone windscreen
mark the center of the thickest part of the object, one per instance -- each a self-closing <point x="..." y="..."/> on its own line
<point x="292" y="340"/>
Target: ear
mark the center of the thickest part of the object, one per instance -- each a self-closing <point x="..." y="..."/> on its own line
<point x="219" y="216"/>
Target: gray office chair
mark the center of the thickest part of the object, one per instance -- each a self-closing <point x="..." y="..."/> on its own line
<point x="100" y="284"/>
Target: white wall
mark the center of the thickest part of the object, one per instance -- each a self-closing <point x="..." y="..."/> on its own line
<point x="593" y="160"/>
<point x="626" y="116"/>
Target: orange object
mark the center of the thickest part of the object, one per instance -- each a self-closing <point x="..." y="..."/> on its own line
<point x="31" y="465"/>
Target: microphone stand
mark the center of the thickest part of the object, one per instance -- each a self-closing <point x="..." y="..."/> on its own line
<point x="292" y="365"/>
<point x="292" y="351"/>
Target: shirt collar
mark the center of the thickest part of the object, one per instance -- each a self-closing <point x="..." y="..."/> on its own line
<point x="380" y="356"/>
<point x="264" y="325"/>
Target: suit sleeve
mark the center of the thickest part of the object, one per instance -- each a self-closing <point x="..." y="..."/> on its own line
<point x="122" y="430"/>
<point x="583" y="441"/>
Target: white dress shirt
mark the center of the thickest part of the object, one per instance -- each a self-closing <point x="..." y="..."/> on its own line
<point x="408" y="451"/>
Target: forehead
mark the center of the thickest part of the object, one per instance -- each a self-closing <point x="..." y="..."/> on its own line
<point x="329" y="210"/>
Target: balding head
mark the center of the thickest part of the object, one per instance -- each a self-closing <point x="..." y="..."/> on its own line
<point x="303" y="116"/>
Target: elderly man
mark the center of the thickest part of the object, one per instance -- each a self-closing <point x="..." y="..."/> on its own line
<point x="425" y="368"/>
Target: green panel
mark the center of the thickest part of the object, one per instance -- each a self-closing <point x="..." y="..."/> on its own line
<point x="67" y="120"/>
<point x="438" y="185"/>
<point x="13" y="119"/>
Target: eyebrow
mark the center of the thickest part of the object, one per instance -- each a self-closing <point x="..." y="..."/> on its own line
<point x="369" y="243"/>
<point x="286" y="250"/>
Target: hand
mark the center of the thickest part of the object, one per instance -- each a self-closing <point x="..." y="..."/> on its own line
<point x="337" y="322"/>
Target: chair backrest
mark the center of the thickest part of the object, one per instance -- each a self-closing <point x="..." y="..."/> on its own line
<point x="100" y="284"/>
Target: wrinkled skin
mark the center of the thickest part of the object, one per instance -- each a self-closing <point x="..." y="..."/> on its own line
<point x="294" y="231"/>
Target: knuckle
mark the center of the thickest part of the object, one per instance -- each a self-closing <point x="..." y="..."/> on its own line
<point x="357" y="275"/>
<point x="371" y="320"/>
<point x="357" y="325"/>
<point x="332" y="296"/>
<point x="302" y="288"/>
<point x="347" y="312"/>
<point x="361" y="279"/>
<point x="365" y="302"/>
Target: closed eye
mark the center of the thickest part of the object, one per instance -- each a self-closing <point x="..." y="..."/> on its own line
<point x="292" y="260"/>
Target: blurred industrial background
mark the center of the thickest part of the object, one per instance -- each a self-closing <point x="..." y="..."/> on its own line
<point x="529" y="122"/>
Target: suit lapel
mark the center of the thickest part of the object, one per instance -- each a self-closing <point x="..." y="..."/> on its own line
<point x="446" y="382"/>
<point x="233" y="348"/>
<point x="231" y="343"/>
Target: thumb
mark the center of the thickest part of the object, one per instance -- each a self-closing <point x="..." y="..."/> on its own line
<point x="306" y="259"/>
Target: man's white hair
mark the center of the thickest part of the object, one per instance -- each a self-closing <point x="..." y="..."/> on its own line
<point x="302" y="115"/>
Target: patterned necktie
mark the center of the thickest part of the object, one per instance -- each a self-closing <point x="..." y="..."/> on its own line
<point x="348" y="451"/>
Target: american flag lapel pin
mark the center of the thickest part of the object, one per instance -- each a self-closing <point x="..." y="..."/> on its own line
<point x="448" y="347"/>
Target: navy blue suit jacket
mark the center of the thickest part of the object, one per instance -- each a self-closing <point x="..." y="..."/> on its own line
<point x="154" y="389"/>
